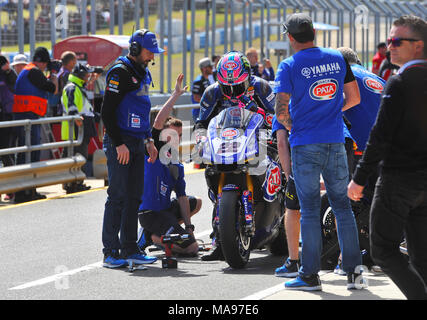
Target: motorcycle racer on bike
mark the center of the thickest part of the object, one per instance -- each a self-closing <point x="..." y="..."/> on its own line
<point x="236" y="86"/>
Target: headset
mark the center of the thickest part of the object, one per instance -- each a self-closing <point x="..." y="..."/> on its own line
<point x="135" y="47"/>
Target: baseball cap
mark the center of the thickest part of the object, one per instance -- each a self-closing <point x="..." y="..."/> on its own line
<point x="205" y="62"/>
<point x="80" y="70"/>
<point x="19" y="59"/>
<point x="299" y="24"/>
<point x="147" y="41"/>
<point x="41" y="55"/>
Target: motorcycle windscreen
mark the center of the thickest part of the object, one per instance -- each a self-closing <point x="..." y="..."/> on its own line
<point x="232" y="136"/>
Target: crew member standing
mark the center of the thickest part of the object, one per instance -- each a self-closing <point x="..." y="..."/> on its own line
<point x="125" y="112"/>
<point x="75" y="102"/>
<point x="309" y="103"/>
<point x="31" y="90"/>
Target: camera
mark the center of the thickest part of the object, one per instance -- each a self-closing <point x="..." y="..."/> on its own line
<point x="54" y="65"/>
<point x="97" y="69"/>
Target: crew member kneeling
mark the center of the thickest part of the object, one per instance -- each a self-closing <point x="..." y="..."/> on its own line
<point x="158" y="213"/>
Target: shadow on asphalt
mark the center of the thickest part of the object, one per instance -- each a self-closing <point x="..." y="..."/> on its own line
<point x="260" y="262"/>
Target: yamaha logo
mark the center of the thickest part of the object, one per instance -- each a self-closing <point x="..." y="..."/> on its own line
<point x="306" y="72"/>
<point x="321" y="70"/>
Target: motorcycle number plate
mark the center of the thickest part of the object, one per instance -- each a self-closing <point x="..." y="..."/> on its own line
<point x="226" y="148"/>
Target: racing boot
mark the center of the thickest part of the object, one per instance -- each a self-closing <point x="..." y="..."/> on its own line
<point x="215" y="255"/>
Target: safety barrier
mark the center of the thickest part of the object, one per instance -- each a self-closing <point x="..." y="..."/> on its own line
<point x="99" y="161"/>
<point x="42" y="173"/>
<point x="32" y="175"/>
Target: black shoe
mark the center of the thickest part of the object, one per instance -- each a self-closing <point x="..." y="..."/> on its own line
<point x="38" y="196"/>
<point x="215" y="255"/>
<point x="82" y="187"/>
<point x="20" y="198"/>
<point x="72" y="188"/>
<point x="28" y="195"/>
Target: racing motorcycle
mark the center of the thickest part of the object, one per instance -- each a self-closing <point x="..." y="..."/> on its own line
<point x="245" y="184"/>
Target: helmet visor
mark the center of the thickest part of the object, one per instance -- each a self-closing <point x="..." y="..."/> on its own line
<point x="234" y="91"/>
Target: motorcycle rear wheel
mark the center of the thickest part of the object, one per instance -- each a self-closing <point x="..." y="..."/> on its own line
<point x="330" y="246"/>
<point x="279" y="246"/>
<point x="234" y="243"/>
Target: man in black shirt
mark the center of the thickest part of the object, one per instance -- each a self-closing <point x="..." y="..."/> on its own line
<point x="125" y="112"/>
<point x="398" y="142"/>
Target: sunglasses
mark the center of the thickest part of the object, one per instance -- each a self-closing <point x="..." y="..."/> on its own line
<point x="285" y="29"/>
<point x="397" y="42"/>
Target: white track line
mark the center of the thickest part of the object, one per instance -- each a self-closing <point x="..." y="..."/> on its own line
<point x="57" y="277"/>
<point x="265" y="293"/>
<point x="89" y="267"/>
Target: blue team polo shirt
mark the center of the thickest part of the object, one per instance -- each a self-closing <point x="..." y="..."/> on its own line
<point x="315" y="79"/>
<point x="363" y="116"/>
<point x="159" y="184"/>
<point x="276" y="125"/>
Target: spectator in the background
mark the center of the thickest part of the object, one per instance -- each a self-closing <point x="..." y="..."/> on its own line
<point x="30" y="102"/>
<point x="215" y="60"/>
<point x="387" y="68"/>
<point x="379" y="57"/>
<point x="7" y="88"/>
<point x="19" y="63"/>
<point x="76" y="102"/>
<point x="265" y="70"/>
<point x="203" y="80"/>
<point x="53" y="99"/>
<point x="68" y="60"/>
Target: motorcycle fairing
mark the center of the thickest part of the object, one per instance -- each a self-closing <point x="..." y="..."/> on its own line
<point x="232" y="136"/>
<point x="273" y="181"/>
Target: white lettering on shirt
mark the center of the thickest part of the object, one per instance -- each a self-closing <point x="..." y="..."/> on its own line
<point x="321" y="70"/>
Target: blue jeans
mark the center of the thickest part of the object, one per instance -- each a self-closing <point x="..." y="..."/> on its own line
<point x="125" y="188"/>
<point x="330" y="161"/>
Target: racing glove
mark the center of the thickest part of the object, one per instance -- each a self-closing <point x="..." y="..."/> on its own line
<point x="251" y="105"/>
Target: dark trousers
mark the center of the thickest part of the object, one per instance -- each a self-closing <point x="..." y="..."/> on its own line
<point x="89" y="131"/>
<point x="125" y="188"/>
<point x="35" y="136"/>
<point x="35" y="140"/>
<point x="7" y="136"/>
<point x="399" y="209"/>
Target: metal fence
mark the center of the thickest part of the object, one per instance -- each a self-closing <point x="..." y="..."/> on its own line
<point x="192" y="29"/>
<point x="28" y="148"/>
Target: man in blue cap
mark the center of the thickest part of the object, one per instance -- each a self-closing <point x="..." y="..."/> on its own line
<point x="125" y="113"/>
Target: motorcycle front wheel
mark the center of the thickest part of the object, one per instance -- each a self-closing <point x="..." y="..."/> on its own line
<point x="234" y="242"/>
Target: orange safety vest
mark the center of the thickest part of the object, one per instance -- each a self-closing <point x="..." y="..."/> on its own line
<point x="29" y="98"/>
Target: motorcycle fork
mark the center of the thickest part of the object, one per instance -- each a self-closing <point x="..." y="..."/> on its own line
<point x="245" y="198"/>
<point x="248" y="206"/>
<point x="218" y="198"/>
